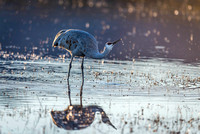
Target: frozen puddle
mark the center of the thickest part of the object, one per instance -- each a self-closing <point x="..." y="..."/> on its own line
<point x="145" y="96"/>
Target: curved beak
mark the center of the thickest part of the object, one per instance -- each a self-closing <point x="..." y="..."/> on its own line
<point x="116" y="41"/>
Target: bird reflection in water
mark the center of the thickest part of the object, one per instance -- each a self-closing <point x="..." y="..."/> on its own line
<point x="76" y="117"/>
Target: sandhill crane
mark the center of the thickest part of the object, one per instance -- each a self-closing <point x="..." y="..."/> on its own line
<point x="80" y="43"/>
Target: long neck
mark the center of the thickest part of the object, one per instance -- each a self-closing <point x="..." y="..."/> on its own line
<point x="101" y="55"/>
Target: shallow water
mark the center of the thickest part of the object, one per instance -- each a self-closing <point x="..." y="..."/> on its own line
<point x="167" y="29"/>
<point x="144" y="96"/>
<point x="137" y="96"/>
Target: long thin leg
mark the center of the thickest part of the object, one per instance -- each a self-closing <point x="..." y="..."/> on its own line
<point x="82" y="71"/>
<point x="81" y="100"/>
<point x="69" y="95"/>
<point x="70" y="66"/>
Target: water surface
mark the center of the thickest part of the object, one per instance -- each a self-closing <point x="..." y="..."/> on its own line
<point x="145" y="96"/>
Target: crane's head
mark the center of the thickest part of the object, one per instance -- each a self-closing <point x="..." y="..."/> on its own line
<point x="109" y="45"/>
<point x="57" y="39"/>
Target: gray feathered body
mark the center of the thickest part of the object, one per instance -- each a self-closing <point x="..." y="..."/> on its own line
<point x="78" y="42"/>
<point x="81" y="43"/>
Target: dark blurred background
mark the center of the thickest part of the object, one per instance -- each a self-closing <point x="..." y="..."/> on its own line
<point x="149" y="28"/>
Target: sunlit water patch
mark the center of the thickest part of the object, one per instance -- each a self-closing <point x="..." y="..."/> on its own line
<point x="144" y="96"/>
